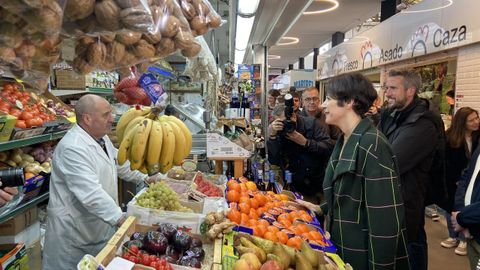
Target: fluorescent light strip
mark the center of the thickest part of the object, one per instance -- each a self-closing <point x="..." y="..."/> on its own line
<point x="273" y="56"/>
<point x="242" y="35"/>
<point x="293" y="40"/>
<point x="247" y="7"/>
<point x="335" y="6"/>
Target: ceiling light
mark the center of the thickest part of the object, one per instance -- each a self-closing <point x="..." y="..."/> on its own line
<point x="247" y="7"/>
<point x="273" y="57"/>
<point x="333" y="7"/>
<point x="242" y="35"/>
<point x="450" y="2"/>
<point x="239" y="55"/>
<point x="289" y="41"/>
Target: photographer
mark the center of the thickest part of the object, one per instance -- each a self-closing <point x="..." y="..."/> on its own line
<point x="301" y="145"/>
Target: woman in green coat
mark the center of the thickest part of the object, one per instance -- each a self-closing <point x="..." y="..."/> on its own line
<point x="363" y="202"/>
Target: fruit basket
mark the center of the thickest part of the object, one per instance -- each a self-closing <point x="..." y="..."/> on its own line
<point x="122" y="243"/>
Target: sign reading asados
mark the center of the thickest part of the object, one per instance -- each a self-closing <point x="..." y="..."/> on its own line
<point x="428" y="27"/>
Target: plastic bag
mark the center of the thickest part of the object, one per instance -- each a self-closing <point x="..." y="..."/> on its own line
<point x="107" y="16"/>
<point x="29" y="42"/>
<point x="200" y="15"/>
<point x="128" y="91"/>
<point x="202" y="67"/>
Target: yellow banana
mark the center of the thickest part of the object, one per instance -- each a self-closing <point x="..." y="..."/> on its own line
<point x="180" y="145"/>
<point x="133" y="123"/>
<point x="139" y="143"/>
<point x="168" y="147"/>
<point x="126" y="118"/>
<point x="186" y="132"/>
<point x="124" y="149"/>
<point x="143" y="169"/>
<point x="154" y="148"/>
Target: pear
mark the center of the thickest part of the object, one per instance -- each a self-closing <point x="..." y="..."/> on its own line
<point x="291" y="252"/>
<point x="281" y="254"/>
<point x="273" y="257"/>
<point x="252" y="259"/>
<point x="266" y="245"/>
<point x="321" y="258"/>
<point x="257" y="251"/>
<point x="301" y="262"/>
<point x="260" y="253"/>
<point x="242" y="264"/>
<point x="309" y="253"/>
<point x="322" y="267"/>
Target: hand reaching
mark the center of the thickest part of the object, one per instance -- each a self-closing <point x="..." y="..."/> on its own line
<point x="313" y="207"/>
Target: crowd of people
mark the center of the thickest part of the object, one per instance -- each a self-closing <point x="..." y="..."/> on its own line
<point x="379" y="167"/>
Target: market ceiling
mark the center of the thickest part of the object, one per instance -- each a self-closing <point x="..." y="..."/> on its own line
<point x="277" y="19"/>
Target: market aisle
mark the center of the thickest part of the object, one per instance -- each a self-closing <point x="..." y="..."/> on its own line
<point x="440" y="258"/>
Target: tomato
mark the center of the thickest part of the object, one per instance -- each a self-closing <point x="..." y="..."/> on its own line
<point x="38" y="121"/>
<point x="15" y="112"/>
<point x="146" y="260"/>
<point x="25" y="115"/>
<point x="7" y="87"/>
<point x="18" y="95"/>
<point x="154" y="258"/>
<point x="20" y="124"/>
<point x="134" y="249"/>
<point x="154" y="264"/>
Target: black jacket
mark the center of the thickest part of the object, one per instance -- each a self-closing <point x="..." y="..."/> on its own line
<point x="469" y="216"/>
<point x="307" y="163"/>
<point x="413" y="138"/>
<point x="332" y="131"/>
<point x="457" y="159"/>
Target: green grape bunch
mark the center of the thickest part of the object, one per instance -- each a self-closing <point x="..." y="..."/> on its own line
<point x="160" y="196"/>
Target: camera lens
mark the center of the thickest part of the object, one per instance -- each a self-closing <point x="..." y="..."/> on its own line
<point x="12" y="177"/>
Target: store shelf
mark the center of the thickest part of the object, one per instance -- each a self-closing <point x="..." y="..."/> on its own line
<point x="29" y="141"/>
<point x="41" y="198"/>
<point x="91" y="90"/>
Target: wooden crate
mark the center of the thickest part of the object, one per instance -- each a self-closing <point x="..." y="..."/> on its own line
<point x="213" y="251"/>
<point x="68" y="79"/>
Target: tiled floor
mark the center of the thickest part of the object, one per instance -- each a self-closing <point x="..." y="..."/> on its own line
<point x="440" y="258"/>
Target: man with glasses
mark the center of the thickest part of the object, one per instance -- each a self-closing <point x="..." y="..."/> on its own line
<point x="312" y="108"/>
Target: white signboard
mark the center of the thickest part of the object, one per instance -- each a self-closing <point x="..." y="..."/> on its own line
<point x="428" y="27"/>
<point x="300" y="79"/>
<point x="221" y="147"/>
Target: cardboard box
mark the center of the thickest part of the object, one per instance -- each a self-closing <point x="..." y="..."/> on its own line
<point x="13" y="256"/>
<point x="58" y="125"/>
<point x="68" y="79"/>
<point x="20" y="133"/>
<point x="27" y="236"/>
<point x="34" y="253"/>
<point x="19" y="222"/>
<point x="7" y="123"/>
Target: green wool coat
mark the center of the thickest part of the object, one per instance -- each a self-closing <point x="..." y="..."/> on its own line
<point x="364" y="206"/>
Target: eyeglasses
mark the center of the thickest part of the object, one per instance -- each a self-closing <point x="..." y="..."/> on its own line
<point x="312" y="99"/>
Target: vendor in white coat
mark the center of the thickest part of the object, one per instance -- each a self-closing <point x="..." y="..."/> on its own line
<point x="83" y="210"/>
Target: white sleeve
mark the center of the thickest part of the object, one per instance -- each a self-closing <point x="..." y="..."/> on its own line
<point x="78" y="170"/>
<point x="128" y="175"/>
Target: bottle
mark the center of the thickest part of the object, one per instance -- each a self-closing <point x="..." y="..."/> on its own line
<point x="288" y="181"/>
<point x="246" y="107"/>
<point x="259" y="181"/>
<point x="271" y="182"/>
<point x="248" y="172"/>
<point x="229" y="171"/>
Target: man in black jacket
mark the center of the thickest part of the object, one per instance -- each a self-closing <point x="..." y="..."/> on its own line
<point x="407" y="124"/>
<point x="305" y="152"/>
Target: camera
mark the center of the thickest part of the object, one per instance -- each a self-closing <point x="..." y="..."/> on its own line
<point x="288" y="124"/>
<point x="12" y="177"/>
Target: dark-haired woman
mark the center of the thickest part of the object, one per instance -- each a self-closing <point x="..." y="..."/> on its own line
<point x="363" y="201"/>
<point x="462" y="140"/>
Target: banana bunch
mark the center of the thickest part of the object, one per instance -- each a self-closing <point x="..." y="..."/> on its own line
<point x="150" y="142"/>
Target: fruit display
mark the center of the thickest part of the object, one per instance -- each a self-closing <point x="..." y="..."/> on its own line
<point x="150" y="142"/>
<point x="218" y="225"/>
<point x="206" y="187"/>
<point x="166" y="245"/>
<point x="33" y="159"/>
<point x="30" y="112"/>
<point x="160" y="196"/>
<point x="128" y="91"/>
<point x="271" y="215"/>
<point x="257" y="253"/>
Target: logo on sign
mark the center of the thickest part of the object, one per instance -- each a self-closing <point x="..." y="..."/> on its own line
<point x="303" y="83"/>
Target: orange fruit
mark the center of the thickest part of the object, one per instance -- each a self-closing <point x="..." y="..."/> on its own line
<point x="303" y="228"/>
<point x="244" y="199"/>
<point x="254" y="203"/>
<point x="282" y="237"/>
<point x="244" y="208"/>
<point x="263" y="222"/>
<point x="307" y="236"/>
<point x="243" y="187"/>
<point x="262" y="229"/>
<point x="261" y="210"/>
<point x="29" y="175"/>
<point x="317" y="236"/>
<point x="269" y="205"/>
<point x="234" y="216"/>
<point x="270" y="236"/>
<point x="253" y="214"/>
<point x="252" y="223"/>
<point x="235" y="186"/>
<point x="294" y="242"/>
<point x="284" y="197"/>
<point x="262" y="200"/>
<point x="251" y="185"/>
<point x="306" y="217"/>
<point x="292" y="215"/>
<point x="244" y="219"/>
<point x="283" y="216"/>
<point x="297" y="231"/>
<point x="257" y="231"/>
<point x="233" y="196"/>
<point x="286" y="223"/>
<point x="231" y="182"/>
<point x="273" y="229"/>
